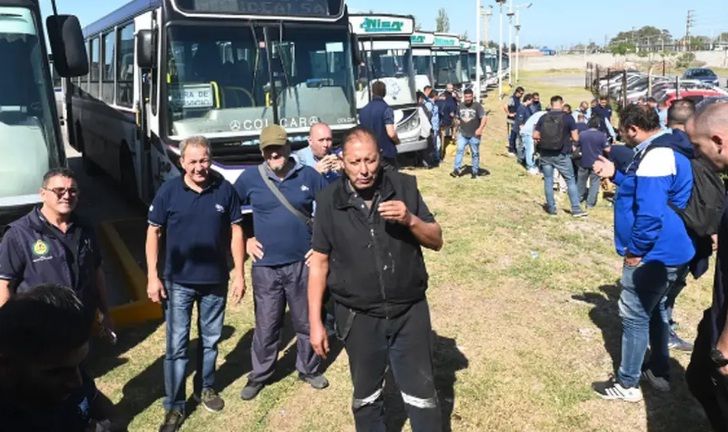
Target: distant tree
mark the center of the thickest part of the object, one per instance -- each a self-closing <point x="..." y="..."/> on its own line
<point x="464" y="36"/>
<point x="529" y="46"/>
<point x="442" y="22"/>
<point x="723" y="37"/>
<point x="492" y="44"/>
<point x="418" y="27"/>
<point x="621" y="48"/>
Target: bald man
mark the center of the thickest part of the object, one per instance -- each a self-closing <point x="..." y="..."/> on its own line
<point x="707" y="374"/>
<point x="319" y="154"/>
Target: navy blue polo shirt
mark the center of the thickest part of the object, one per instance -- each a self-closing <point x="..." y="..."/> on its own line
<point x="376" y="115"/>
<point x="592" y="143"/>
<point x="197" y="229"/>
<point x="285" y="238"/>
<point x="33" y="252"/>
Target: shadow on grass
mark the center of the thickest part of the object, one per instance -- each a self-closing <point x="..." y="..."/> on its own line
<point x="447" y="360"/>
<point x="675" y="410"/>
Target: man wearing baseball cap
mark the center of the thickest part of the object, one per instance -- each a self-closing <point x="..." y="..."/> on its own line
<point x="281" y="193"/>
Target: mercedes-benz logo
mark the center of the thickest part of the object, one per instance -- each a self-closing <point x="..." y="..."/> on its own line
<point x="235" y="125"/>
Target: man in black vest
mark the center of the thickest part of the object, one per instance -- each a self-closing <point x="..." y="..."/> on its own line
<point x="368" y="233"/>
<point x="378" y="117"/>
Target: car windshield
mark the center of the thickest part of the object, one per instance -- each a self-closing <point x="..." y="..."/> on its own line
<point x="447" y="68"/>
<point x="394" y="68"/>
<point x="219" y="78"/>
<point x="29" y="142"/>
<point x="700" y="73"/>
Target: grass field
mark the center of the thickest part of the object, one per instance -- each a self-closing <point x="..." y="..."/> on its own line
<point x="524" y="318"/>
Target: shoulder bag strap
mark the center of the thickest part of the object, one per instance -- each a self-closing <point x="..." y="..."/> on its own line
<point x="277" y="193"/>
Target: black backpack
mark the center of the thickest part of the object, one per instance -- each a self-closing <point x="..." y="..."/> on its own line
<point x="704" y="209"/>
<point x="552" y="131"/>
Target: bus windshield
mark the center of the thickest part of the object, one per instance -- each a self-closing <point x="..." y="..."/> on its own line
<point x="28" y="139"/>
<point x="465" y="67"/>
<point x="422" y="64"/>
<point x="394" y="68"/>
<point x="219" y="78"/>
<point x="447" y="68"/>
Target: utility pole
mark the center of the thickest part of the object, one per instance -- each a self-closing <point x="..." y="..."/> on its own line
<point x="510" y="41"/>
<point x="500" y="47"/>
<point x="689" y="23"/>
<point x="478" y="48"/>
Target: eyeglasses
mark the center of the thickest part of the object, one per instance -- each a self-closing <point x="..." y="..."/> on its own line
<point x="60" y="192"/>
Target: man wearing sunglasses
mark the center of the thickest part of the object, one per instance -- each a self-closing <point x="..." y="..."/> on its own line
<point x="50" y="245"/>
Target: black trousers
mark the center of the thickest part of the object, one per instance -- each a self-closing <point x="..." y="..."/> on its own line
<point x="708" y="386"/>
<point x="404" y="343"/>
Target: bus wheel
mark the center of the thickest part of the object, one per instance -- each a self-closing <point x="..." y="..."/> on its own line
<point x="89" y="166"/>
<point x="128" y="178"/>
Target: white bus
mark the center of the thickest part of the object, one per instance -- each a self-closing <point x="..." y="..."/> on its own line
<point x="447" y="63"/>
<point x="422" y="58"/>
<point x="384" y="42"/>
<point x="163" y="70"/>
<point x="30" y="137"/>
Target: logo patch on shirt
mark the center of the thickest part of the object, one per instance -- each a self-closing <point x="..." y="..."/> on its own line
<point x="151" y="208"/>
<point x="304" y="188"/>
<point x="219" y="208"/>
<point x="40" y="248"/>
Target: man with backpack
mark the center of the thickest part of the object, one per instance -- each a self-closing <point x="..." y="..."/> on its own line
<point x="429" y="129"/>
<point x="654" y="241"/>
<point x="554" y="135"/>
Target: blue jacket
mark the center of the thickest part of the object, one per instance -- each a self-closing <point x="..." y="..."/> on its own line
<point x="644" y="223"/>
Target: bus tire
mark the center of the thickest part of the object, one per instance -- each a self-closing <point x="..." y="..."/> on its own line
<point x="89" y="166"/>
<point x="127" y="177"/>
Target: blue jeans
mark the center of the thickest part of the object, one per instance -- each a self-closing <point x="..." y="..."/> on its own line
<point x="642" y="308"/>
<point x="178" y="313"/>
<point x="594" y="184"/>
<point x="563" y="164"/>
<point x="528" y="150"/>
<point x="474" y="143"/>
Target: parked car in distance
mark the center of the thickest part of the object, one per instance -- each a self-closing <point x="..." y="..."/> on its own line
<point x="702" y="74"/>
<point x="695" y="95"/>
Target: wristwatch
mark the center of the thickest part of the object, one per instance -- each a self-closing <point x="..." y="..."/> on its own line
<point x="717" y="357"/>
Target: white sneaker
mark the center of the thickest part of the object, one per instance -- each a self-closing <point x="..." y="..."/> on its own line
<point x="533" y="171"/>
<point x="657" y="383"/>
<point x="612" y="390"/>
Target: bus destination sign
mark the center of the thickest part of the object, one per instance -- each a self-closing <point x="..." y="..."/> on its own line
<point x="311" y="8"/>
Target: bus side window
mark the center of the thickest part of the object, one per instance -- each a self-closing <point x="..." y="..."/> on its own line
<point x="107" y="78"/>
<point x="83" y="81"/>
<point x="125" y="66"/>
<point x="94" y="68"/>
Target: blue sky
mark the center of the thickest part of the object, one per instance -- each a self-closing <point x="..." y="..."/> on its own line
<point x="547" y="22"/>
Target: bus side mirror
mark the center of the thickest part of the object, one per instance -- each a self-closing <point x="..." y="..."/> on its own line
<point x="356" y="50"/>
<point x="67" y="45"/>
<point x="145" y="49"/>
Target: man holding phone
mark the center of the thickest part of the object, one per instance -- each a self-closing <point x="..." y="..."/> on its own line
<point x="320" y="154"/>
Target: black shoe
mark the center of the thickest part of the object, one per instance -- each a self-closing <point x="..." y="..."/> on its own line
<point x="473" y="176"/>
<point x="454" y="174"/>
<point x="210" y="400"/>
<point x="172" y="421"/>
<point x="318" y="381"/>
<point x="251" y="390"/>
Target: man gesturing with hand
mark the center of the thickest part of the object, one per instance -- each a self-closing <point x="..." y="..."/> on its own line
<point x="369" y="229"/>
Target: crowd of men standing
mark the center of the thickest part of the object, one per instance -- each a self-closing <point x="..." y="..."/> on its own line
<point x="336" y="236"/>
